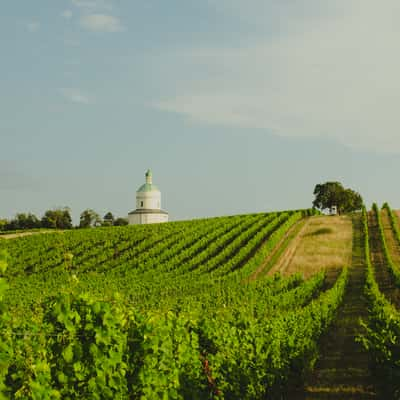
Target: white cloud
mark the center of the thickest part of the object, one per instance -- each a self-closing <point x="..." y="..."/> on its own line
<point x="67" y="14"/>
<point x="75" y="95"/>
<point x="336" y="76"/>
<point x="33" y="26"/>
<point x="101" y="23"/>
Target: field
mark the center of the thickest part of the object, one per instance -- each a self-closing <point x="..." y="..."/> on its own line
<point x="260" y="306"/>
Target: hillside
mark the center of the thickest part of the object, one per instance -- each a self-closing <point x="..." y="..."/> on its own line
<point x="196" y="309"/>
<point x="188" y="257"/>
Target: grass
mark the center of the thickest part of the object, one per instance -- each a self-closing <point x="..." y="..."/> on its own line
<point x="321" y="231"/>
<point x="324" y="243"/>
<point x="277" y="252"/>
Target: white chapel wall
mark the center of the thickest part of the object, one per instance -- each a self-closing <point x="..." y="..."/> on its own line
<point x="148" y="200"/>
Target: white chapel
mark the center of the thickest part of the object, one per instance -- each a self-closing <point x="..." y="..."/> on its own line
<point x="148" y="204"/>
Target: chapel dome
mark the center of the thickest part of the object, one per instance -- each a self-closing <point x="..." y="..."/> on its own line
<point x="148" y="186"/>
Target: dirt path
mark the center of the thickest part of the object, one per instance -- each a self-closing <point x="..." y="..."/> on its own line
<point x="341" y="371"/>
<point x="21" y="234"/>
<point x="16" y="235"/>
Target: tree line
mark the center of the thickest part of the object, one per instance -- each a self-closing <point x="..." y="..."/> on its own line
<point x="59" y="218"/>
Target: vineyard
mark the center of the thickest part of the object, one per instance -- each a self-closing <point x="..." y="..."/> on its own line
<point x="192" y="310"/>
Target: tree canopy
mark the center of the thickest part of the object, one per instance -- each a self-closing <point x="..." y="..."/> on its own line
<point x="108" y="219"/>
<point x="120" y="221"/>
<point x="330" y="194"/>
<point x="89" y="218"/>
<point x="59" y="218"/>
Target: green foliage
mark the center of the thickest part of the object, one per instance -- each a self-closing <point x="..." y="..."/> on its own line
<point x="89" y="218"/>
<point x="108" y="219"/>
<point x="6" y="348"/>
<point x="20" y="222"/>
<point x="188" y="324"/>
<point x="393" y="222"/>
<point x="29" y="375"/>
<point x="394" y="269"/>
<point x="382" y="329"/>
<point x="3" y="224"/>
<point x="120" y="221"/>
<point x="59" y="218"/>
<point x="170" y="365"/>
<point x="330" y="194"/>
<point x="87" y="344"/>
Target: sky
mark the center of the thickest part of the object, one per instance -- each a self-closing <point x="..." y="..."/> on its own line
<point x="236" y="106"/>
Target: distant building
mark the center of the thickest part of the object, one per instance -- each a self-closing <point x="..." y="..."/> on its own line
<point x="148" y="204"/>
<point x="333" y="210"/>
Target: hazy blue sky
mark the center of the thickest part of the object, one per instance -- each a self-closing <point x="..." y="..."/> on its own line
<point x="237" y="106"/>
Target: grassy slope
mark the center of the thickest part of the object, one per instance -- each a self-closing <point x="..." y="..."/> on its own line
<point x="323" y="243"/>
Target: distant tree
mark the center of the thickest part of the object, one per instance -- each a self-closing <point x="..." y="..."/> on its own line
<point x="120" y="221"/>
<point x="27" y="221"/>
<point x="108" y="219"/>
<point x="12" y="225"/>
<point x="59" y="218"/>
<point x="3" y="224"/>
<point x="22" y="221"/>
<point x="65" y="218"/>
<point x="330" y="194"/>
<point x="49" y="219"/>
<point x="89" y="218"/>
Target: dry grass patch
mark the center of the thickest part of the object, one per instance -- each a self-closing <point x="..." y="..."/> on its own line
<point x="21" y="234"/>
<point x="324" y="243"/>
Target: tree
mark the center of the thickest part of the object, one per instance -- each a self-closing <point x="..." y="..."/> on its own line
<point x="351" y="201"/>
<point x="27" y="221"/>
<point x="3" y="224"/>
<point x="108" y="219"/>
<point x="330" y="194"/>
<point x="120" y="222"/>
<point x="22" y="221"/>
<point x="89" y="218"/>
<point x="65" y="221"/>
<point x="59" y="218"/>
